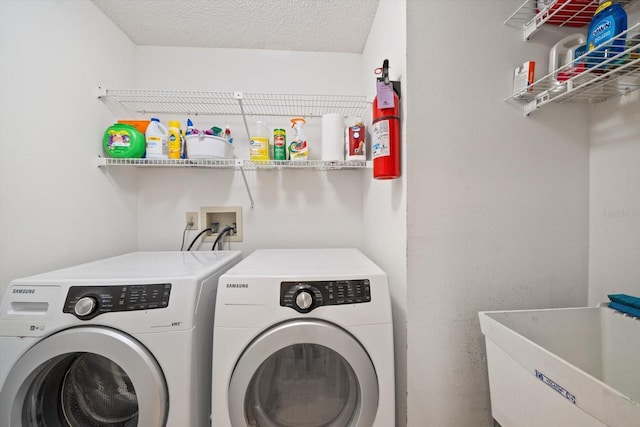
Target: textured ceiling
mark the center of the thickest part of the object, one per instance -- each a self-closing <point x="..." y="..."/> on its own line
<point x="302" y="25"/>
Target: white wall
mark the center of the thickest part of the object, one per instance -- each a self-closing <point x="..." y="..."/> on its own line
<point x="384" y="228"/>
<point x="497" y="203"/>
<point x="293" y="208"/>
<point x="614" y="245"/>
<point x="56" y="207"/>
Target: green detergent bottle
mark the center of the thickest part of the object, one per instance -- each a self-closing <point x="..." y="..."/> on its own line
<point x="123" y="141"/>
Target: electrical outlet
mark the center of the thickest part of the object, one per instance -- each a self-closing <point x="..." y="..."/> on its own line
<point x="192" y="218"/>
<point x="223" y="216"/>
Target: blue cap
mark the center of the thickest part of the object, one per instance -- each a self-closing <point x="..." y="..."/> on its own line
<point x="153" y="119"/>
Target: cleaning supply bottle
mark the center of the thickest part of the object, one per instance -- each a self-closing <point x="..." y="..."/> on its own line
<point x="298" y="148"/>
<point x="259" y="142"/>
<point x="123" y="141"/>
<point x="603" y="39"/>
<point x="227" y="134"/>
<point x="562" y="55"/>
<point x="190" y="128"/>
<point x="157" y="137"/>
<point x="279" y="144"/>
<point x="175" y="140"/>
<point x="355" y="147"/>
<point x="183" y="144"/>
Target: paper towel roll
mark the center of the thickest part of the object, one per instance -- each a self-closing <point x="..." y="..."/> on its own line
<point x="332" y="137"/>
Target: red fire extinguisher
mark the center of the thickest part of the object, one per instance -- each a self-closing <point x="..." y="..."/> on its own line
<point x="385" y="129"/>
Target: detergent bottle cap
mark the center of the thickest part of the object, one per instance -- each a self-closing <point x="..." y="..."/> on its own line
<point x="174" y="124"/>
<point x="153" y="119"/>
<point x="604" y="4"/>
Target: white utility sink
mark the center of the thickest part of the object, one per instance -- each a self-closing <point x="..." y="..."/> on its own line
<point x="563" y="367"/>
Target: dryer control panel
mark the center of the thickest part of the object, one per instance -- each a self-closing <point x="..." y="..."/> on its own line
<point x="304" y="296"/>
<point x="87" y="302"/>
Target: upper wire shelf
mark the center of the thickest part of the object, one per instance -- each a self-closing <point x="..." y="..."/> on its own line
<point x="564" y="13"/>
<point x="589" y="78"/>
<point x="236" y="103"/>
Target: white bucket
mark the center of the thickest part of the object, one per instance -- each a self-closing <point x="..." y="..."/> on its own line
<point x="208" y="147"/>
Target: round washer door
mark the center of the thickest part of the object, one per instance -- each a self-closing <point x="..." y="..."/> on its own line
<point x="307" y="373"/>
<point x="85" y="376"/>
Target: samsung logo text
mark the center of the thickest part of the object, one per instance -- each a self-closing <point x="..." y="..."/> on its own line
<point x="24" y="291"/>
<point x="237" y="285"/>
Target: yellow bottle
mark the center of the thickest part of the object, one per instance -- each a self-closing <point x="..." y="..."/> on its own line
<point x="259" y="143"/>
<point x="174" y="144"/>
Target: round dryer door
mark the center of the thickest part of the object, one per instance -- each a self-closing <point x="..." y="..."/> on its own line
<point x="304" y="373"/>
<point x="87" y="376"/>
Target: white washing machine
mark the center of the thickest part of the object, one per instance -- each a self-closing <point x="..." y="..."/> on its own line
<point x="124" y="341"/>
<point x="303" y="338"/>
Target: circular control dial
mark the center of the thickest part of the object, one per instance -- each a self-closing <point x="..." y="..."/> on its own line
<point x="304" y="300"/>
<point x="85" y="306"/>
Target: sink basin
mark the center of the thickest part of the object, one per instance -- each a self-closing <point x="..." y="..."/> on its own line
<point x="563" y="367"/>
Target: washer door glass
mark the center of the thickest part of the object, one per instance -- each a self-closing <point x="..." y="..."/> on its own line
<point x="81" y="389"/>
<point x="302" y="385"/>
<point x="304" y="373"/>
<point x="81" y="377"/>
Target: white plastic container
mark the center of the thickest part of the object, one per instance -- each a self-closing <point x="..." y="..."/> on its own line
<point x="562" y="55"/>
<point x="157" y="138"/>
<point x="563" y="367"/>
<point x="208" y="147"/>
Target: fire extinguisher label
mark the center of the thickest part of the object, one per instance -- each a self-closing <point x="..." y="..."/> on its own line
<point x="384" y="95"/>
<point x="380" y="139"/>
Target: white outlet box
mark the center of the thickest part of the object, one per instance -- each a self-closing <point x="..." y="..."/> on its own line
<point x="223" y="216"/>
<point x="192" y="218"/>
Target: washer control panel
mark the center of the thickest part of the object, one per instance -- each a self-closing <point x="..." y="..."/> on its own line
<point x="304" y="296"/>
<point x="87" y="302"/>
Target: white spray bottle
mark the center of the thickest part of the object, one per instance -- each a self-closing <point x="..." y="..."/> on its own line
<point x="298" y="148"/>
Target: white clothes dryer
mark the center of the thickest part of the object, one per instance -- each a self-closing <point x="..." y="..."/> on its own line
<point x="303" y="338"/>
<point x="124" y="341"/>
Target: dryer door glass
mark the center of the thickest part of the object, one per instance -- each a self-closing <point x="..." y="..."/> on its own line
<point x="302" y="385"/>
<point x="304" y="373"/>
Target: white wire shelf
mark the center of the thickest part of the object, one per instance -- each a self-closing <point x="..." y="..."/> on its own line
<point x="242" y="104"/>
<point x="316" y="165"/>
<point x="236" y="103"/>
<point x="564" y="13"/>
<point x="589" y="78"/>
